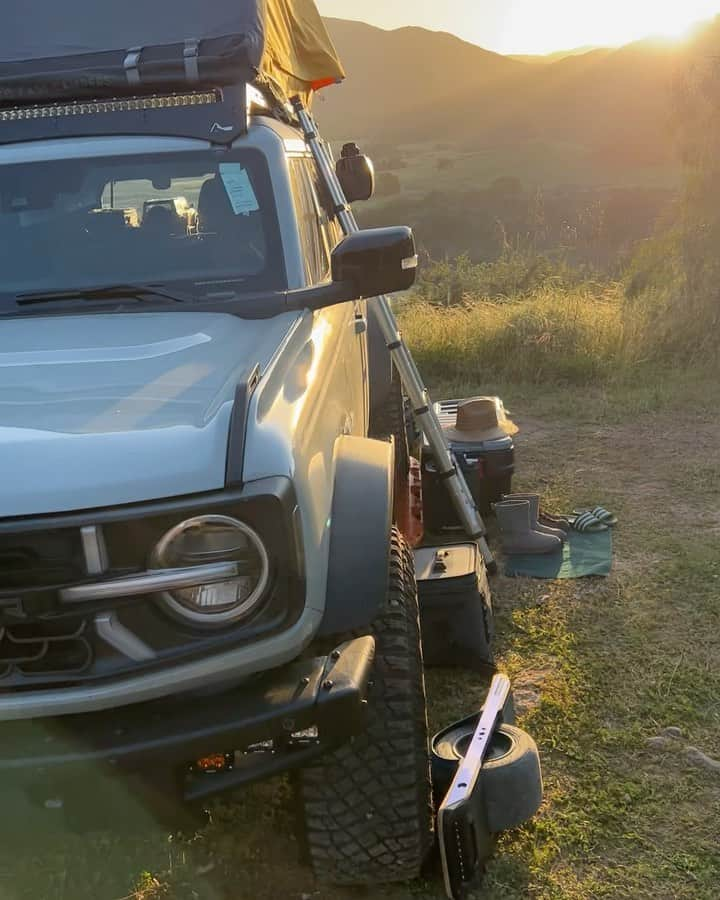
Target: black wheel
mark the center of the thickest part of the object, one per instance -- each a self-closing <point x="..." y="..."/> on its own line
<point x="368" y="807"/>
<point x="511" y="778"/>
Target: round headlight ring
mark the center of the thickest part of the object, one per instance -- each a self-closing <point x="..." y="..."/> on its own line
<point x="232" y="614"/>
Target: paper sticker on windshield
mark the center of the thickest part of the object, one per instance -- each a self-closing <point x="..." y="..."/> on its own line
<point x="239" y="190"/>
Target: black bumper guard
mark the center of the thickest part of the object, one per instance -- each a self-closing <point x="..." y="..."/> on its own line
<point x="275" y="722"/>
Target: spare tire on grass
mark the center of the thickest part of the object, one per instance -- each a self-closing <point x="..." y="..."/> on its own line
<point x="511" y="778"/>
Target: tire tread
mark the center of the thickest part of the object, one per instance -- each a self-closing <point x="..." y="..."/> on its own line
<point x="368" y="806"/>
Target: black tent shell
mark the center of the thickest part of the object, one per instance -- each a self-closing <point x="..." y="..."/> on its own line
<point x="77" y="49"/>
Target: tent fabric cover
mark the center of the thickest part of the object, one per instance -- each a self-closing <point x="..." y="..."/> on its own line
<point x="63" y="49"/>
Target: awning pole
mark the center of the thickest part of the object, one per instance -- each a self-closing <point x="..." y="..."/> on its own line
<point x="423" y="410"/>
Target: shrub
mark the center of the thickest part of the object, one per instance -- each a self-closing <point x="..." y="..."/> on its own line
<point x="529" y="319"/>
<point x="516" y="272"/>
<point x="550" y="336"/>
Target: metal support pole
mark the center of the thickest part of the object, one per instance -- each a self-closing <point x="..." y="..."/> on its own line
<point x="405" y="364"/>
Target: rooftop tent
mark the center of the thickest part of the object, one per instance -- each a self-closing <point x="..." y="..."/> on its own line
<point x="72" y="49"/>
<point x="298" y="50"/>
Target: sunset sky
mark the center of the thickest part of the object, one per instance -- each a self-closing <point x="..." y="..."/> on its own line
<point x="532" y="26"/>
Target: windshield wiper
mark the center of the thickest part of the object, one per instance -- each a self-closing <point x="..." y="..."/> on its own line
<point x="138" y="292"/>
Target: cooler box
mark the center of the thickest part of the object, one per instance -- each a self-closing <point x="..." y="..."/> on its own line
<point x="456" y="614"/>
<point x="488" y="467"/>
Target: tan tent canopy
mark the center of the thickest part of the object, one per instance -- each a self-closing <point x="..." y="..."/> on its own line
<point x="298" y="51"/>
<point x="60" y="49"/>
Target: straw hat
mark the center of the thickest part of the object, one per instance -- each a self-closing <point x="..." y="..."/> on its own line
<point x="481" y="419"/>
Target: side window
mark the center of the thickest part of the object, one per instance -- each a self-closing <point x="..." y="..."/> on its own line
<point x="310" y="221"/>
<point x="328" y="223"/>
<point x="335" y="232"/>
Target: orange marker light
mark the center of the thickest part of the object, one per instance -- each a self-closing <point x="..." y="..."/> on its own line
<point x="217" y="762"/>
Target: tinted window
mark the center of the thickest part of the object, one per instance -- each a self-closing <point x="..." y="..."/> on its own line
<point x="310" y="221"/>
<point x="191" y="217"/>
<point x="332" y="233"/>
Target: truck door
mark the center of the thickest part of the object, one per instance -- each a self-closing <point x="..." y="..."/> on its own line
<point x="319" y="235"/>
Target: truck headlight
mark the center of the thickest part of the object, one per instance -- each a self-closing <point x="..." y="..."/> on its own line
<point x="210" y="539"/>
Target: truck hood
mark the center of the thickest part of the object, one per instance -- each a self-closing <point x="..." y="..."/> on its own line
<point x="105" y="410"/>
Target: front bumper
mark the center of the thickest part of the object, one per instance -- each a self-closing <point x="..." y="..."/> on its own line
<point x="276" y="722"/>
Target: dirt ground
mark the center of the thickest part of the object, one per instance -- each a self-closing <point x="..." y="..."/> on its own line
<point x="618" y="680"/>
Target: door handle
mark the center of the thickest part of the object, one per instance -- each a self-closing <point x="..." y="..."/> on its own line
<point x="360" y="323"/>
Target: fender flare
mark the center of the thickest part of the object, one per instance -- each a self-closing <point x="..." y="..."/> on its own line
<point x="361" y="520"/>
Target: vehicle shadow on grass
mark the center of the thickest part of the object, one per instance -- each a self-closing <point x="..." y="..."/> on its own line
<point x="249" y="850"/>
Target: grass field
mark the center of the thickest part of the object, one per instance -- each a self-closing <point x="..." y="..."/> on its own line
<point x="535" y="163"/>
<point x="600" y="668"/>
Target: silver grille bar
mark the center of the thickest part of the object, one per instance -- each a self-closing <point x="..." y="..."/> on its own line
<point x="152" y="582"/>
<point x="113" y="632"/>
<point x="94" y="549"/>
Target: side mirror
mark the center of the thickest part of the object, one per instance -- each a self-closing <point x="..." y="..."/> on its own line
<point x="365" y="264"/>
<point x="355" y="173"/>
<point x="376" y="261"/>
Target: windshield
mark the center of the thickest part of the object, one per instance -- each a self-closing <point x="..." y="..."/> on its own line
<point x="205" y="220"/>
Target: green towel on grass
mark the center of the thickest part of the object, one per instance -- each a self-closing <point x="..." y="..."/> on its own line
<point x="582" y="554"/>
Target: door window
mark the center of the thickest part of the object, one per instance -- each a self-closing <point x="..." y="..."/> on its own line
<point x="312" y="240"/>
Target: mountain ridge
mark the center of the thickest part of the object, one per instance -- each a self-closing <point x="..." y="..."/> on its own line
<point x="557" y="55"/>
<point x="411" y="85"/>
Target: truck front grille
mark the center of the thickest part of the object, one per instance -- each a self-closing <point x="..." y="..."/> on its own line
<point x="37" y="560"/>
<point x="48" y="639"/>
<point x="47" y="647"/>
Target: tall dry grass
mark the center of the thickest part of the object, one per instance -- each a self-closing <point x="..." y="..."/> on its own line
<point x="562" y="329"/>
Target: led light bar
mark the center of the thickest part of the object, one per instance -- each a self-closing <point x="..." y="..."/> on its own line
<point x="129" y="104"/>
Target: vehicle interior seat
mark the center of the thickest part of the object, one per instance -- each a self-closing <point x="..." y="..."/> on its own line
<point x="215" y="212"/>
<point x="216" y="216"/>
<point x="160" y="221"/>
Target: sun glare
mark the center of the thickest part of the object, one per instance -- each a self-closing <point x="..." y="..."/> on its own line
<point x="673" y="24"/>
<point x="533" y="27"/>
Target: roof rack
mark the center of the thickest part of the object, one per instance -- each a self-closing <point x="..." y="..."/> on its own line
<point x="219" y="115"/>
<point x="164" y="46"/>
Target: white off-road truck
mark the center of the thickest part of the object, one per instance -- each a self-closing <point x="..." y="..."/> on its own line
<point x="202" y="438"/>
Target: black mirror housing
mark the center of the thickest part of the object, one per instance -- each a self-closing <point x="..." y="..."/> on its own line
<point x="365" y="264"/>
<point x="376" y="261"/>
<point x="355" y="173"/>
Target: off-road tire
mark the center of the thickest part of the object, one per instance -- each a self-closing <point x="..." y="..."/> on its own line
<point x="389" y="421"/>
<point x="367" y="807"/>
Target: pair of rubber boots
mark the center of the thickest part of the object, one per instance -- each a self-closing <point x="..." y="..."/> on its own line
<point x="520" y="528"/>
